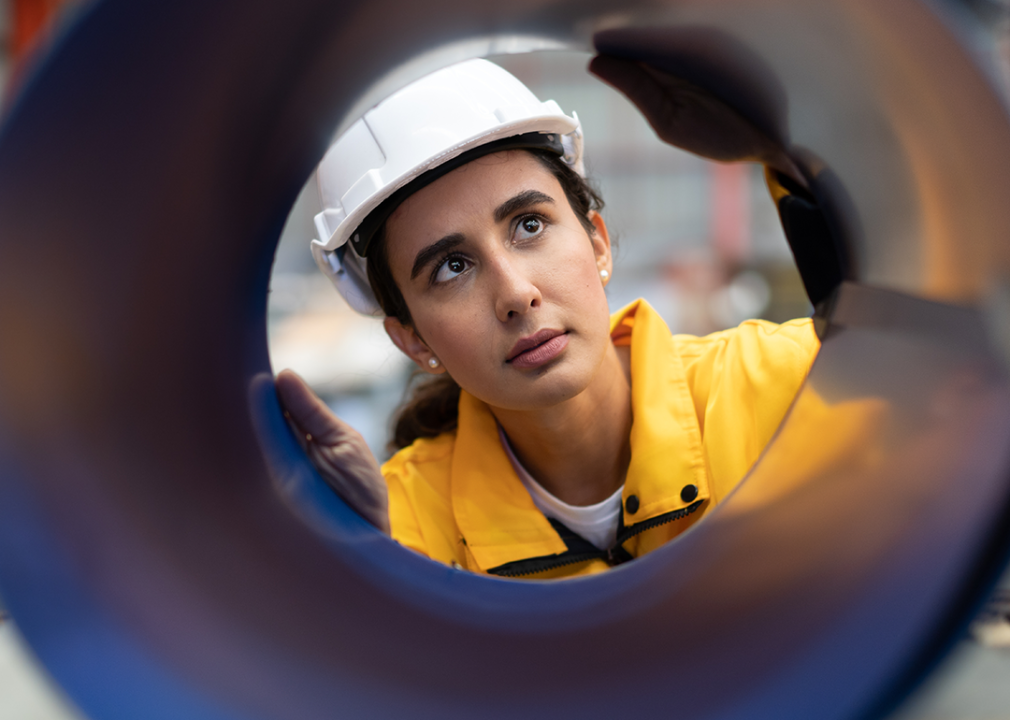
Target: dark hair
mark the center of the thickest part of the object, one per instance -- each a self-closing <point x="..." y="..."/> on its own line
<point x="433" y="405"/>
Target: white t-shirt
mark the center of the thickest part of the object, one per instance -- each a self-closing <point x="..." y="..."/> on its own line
<point x="596" y="523"/>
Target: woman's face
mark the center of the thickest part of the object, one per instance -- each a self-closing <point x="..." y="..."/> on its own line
<point x="502" y="282"/>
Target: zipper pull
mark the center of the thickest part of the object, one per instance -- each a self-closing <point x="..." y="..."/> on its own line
<point x="617" y="555"/>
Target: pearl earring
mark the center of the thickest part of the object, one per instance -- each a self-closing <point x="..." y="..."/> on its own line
<point x="433" y="362"/>
<point x="604" y="275"/>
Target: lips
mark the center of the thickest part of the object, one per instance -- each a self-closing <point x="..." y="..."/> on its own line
<point x="537" y="349"/>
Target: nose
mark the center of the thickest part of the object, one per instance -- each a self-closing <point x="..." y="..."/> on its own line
<point x="515" y="293"/>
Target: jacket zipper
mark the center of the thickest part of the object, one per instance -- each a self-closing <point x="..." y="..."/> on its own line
<point x="663" y="519"/>
<point x="615" y="555"/>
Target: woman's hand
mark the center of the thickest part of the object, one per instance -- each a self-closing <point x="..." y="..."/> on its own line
<point x="723" y="105"/>
<point x="708" y="94"/>
<point x="336" y="449"/>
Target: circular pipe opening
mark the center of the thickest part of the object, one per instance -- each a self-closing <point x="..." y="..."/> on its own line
<point x="202" y="591"/>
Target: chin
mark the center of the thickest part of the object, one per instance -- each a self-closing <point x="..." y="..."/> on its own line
<point x="548" y="390"/>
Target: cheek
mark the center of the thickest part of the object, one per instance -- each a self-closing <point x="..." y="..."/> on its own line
<point x="459" y="338"/>
<point x="576" y="276"/>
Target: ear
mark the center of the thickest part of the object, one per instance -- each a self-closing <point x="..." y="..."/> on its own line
<point x="411" y="345"/>
<point x="601" y="243"/>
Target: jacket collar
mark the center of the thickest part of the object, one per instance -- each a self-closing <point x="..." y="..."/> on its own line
<point x="493" y="510"/>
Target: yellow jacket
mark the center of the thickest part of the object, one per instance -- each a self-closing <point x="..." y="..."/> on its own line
<point x="703" y="408"/>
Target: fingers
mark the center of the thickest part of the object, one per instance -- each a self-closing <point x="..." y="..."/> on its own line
<point x="684" y="114"/>
<point x="690" y="117"/>
<point x="308" y="412"/>
<point x="351" y="470"/>
<point x="337" y="451"/>
<point x="630" y="79"/>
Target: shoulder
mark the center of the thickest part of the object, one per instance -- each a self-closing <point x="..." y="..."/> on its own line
<point x="755" y="367"/>
<point x="759" y="351"/>
<point x="420" y="500"/>
<point x="427" y="461"/>
<point x="743" y="381"/>
<point x="422" y="452"/>
<point x="755" y="340"/>
<point x="798" y="334"/>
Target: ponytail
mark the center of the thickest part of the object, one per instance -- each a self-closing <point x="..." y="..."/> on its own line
<point x="432" y="409"/>
<point x="433" y="405"/>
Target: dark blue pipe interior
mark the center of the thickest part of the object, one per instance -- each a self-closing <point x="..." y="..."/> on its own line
<point x="162" y="569"/>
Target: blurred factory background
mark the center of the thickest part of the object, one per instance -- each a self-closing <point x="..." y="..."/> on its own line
<point x="700" y="241"/>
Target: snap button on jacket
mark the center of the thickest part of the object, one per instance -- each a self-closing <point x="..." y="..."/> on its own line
<point x="703" y="407"/>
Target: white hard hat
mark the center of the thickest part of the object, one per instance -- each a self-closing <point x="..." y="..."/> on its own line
<point x="414" y="137"/>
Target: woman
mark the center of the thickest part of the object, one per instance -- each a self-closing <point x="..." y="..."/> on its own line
<point x="555" y="440"/>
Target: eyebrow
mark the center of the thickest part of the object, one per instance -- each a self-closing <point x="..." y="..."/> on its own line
<point x="522" y="200"/>
<point x="518" y="202"/>
<point x="431" y="252"/>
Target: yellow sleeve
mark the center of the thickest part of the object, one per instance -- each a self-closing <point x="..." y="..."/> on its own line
<point x="743" y="382"/>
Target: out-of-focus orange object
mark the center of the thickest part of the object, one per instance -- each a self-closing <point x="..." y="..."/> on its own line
<point x="730" y="219"/>
<point x="31" y="24"/>
<point x="31" y="18"/>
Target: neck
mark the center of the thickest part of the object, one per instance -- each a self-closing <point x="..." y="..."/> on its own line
<point x="579" y="450"/>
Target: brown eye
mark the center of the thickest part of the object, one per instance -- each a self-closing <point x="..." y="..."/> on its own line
<point x="530" y="226"/>
<point x="451" y="268"/>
